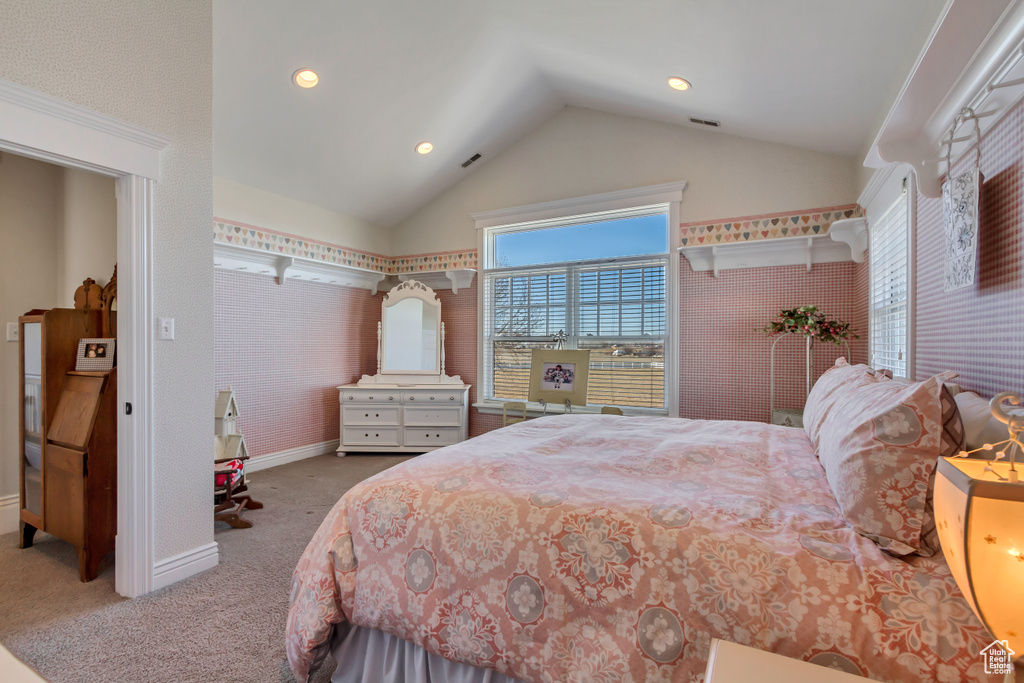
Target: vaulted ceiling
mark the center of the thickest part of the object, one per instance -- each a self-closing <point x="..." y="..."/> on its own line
<point x="475" y="75"/>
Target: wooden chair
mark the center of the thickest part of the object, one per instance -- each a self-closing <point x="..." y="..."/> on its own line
<point x="507" y="417"/>
<point x="229" y="485"/>
<point x="611" y="410"/>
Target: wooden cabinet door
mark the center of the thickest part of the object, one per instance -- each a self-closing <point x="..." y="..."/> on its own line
<point x="64" y="495"/>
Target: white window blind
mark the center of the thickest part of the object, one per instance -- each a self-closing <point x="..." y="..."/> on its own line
<point x="889" y="267"/>
<point x="615" y="308"/>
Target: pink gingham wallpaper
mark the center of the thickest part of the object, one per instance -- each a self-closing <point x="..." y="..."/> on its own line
<point x="978" y="331"/>
<point x="284" y="348"/>
<point x="724" y="359"/>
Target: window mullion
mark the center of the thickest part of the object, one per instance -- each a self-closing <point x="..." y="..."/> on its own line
<point x="572" y="288"/>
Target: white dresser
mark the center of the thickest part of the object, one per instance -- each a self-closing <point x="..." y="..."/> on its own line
<point x="402" y="419"/>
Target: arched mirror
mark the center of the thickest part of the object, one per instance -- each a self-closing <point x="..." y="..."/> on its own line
<point x="411" y="331"/>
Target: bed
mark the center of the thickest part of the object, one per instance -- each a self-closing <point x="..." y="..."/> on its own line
<point x="607" y="548"/>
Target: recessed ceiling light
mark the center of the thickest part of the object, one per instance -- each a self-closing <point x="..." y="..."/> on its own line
<point x="678" y="83"/>
<point x="424" y="148"/>
<point x="305" y="78"/>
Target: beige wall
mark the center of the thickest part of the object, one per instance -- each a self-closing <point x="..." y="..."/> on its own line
<point x="88" y="241"/>
<point x="245" y="204"/>
<point x="583" y="151"/>
<point x="149" y="63"/>
<point x="29" y="229"/>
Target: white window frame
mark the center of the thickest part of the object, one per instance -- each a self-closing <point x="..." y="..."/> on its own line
<point x="670" y="195"/>
<point x="889" y="185"/>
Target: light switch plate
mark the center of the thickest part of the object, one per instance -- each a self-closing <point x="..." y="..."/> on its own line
<point x="12" y="332"/>
<point x="165" y="329"/>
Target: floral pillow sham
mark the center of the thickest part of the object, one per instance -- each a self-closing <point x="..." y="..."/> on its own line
<point x="829" y="391"/>
<point x="879" y="442"/>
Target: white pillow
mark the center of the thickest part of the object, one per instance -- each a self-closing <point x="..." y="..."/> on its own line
<point x="979" y="426"/>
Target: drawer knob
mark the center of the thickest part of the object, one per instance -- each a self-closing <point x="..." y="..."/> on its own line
<point x="451" y="398"/>
<point x="350" y="398"/>
<point x="431" y="398"/>
<point x="365" y="434"/>
<point x="377" y="415"/>
<point x="367" y="415"/>
<point x="412" y="398"/>
<point x="391" y="398"/>
<point x="371" y="398"/>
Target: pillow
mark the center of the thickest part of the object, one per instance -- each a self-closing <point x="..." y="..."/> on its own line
<point x="828" y="391"/>
<point x="879" y="444"/>
<point x="980" y="427"/>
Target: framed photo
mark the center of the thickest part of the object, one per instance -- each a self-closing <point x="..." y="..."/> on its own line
<point x="559" y="375"/>
<point x="95" y="355"/>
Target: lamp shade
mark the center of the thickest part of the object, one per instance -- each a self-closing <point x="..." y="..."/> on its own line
<point x="980" y="519"/>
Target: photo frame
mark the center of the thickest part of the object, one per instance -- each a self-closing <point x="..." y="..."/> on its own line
<point x="557" y="375"/>
<point x="95" y="355"/>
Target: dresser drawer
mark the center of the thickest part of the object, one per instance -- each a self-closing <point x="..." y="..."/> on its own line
<point x="370" y="436"/>
<point x="371" y="415"/>
<point x="370" y="396"/>
<point x="447" y="398"/>
<point x="427" y="436"/>
<point x="434" y="416"/>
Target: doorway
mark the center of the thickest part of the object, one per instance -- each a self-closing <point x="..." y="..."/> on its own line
<point x="58" y="226"/>
<point x="45" y="128"/>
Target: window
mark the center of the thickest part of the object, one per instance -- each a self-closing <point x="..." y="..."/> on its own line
<point x="601" y="280"/>
<point x="889" y="264"/>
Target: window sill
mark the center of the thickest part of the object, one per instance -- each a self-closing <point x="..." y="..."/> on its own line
<point x="535" y="409"/>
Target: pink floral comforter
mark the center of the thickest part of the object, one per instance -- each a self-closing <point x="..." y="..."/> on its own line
<point x="604" y="548"/>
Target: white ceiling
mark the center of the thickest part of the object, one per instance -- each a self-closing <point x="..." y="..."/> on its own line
<point x="475" y="75"/>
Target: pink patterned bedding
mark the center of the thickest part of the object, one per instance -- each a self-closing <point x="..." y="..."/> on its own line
<point x="603" y="548"/>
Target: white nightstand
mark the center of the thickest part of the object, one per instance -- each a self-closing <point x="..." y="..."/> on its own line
<point x="732" y="663"/>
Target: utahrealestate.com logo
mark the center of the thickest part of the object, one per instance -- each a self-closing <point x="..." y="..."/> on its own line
<point x="998" y="657"/>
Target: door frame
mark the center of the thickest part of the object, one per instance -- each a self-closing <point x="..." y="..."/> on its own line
<point x="42" y="127"/>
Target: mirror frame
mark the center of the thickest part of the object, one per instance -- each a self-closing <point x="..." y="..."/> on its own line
<point x="411" y="289"/>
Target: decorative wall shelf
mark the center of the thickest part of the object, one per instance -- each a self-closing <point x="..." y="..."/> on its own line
<point x="847" y="245"/>
<point x="230" y="257"/>
<point x="973" y="59"/>
<point x="453" y="279"/>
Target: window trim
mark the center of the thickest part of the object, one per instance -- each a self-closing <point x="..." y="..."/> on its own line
<point x="670" y="194"/>
<point x="885" y="187"/>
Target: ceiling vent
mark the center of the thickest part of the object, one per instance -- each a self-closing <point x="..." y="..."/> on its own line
<point x="705" y="122"/>
<point x="470" y="160"/>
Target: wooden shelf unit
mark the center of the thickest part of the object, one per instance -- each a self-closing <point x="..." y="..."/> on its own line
<point x="72" y="494"/>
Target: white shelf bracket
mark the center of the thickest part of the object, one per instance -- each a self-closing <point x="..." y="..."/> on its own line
<point x="714" y="259"/>
<point x="854" y="233"/>
<point x="283" y="264"/>
<point x="460" y="277"/>
<point x="807" y="252"/>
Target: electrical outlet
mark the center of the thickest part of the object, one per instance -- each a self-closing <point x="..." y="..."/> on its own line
<point x="12" y="332"/>
<point x="165" y="329"/>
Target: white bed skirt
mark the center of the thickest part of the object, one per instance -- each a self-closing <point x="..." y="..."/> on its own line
<point x="365" y="655"/>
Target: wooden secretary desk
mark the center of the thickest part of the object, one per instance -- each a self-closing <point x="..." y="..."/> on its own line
<point x="68" y="461"/>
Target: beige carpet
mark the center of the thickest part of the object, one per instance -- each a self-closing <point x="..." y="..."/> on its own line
<point x="224" y="625"/>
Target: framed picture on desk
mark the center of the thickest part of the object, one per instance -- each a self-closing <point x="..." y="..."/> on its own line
<point x="557" y="376"/>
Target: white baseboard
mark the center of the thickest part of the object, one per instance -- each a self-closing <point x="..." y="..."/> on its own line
<point x="9" y="507"/>
<point x="291" y="455"/>
<point x="174" y="569"/>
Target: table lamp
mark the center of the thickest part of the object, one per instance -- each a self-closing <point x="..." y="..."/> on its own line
<point x="979" y="511"/>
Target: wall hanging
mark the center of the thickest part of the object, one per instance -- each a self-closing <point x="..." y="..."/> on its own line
<point x="960" y="209"/>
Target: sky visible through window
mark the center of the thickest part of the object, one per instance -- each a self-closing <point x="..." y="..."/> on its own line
<point x="607" y="239"/>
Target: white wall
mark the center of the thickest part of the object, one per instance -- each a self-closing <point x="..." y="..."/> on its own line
<point x="150" y="63"/>
<point x="245" y="204"/>
<point x="579" y="152"/>
<point x="88" y="243"/>
<point x="29" y="230"/>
